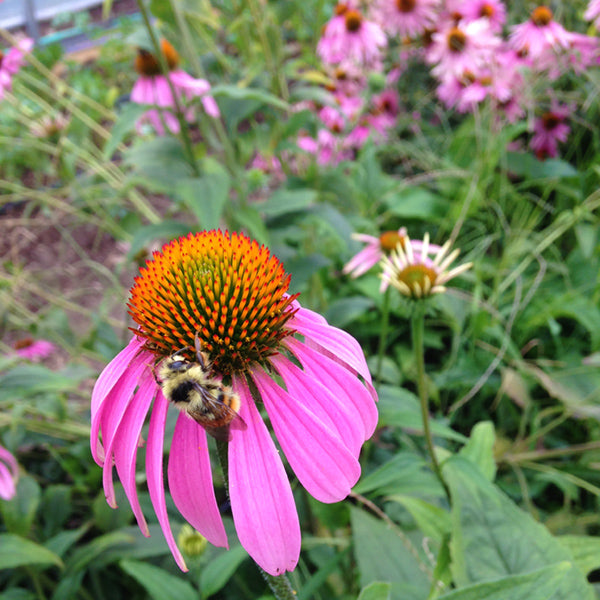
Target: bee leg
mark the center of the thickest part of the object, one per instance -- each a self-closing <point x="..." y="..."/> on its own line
<point x="200" y="355"/>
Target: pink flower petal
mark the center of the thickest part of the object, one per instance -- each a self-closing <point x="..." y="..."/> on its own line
<point x="125" y="449"/>
<point x="262" y="503"/>
<point x="191" y="483"/>
<point x="343" y="385"/>
<point x="320" y="460"/>
<point x="154" y="473"/>
<point x="336" y="343"/>
<point x="8" y="474"/>
<point x="111" y="413"/>
<point x="336" y="413"/>
<point x="101" y="394"/>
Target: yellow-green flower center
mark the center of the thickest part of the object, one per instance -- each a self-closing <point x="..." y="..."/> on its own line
<point x="418" y="278"/>
<point x="225" y="287"/>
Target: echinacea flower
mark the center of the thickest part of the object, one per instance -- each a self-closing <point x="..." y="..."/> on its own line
<point x="351" y="38"/>
<point x="417" y="276"/>
<point x="33" y="350"/>
<point x="231" y="294"/>
<point x="378" y="247"/>
<point x="11" y="62"/>
<point x="405" y="18"/>
<point x="9" y="472"/>
<point x="549" y="130"/>
<point x="493" y="11"/>
<point x="153" y="87"/>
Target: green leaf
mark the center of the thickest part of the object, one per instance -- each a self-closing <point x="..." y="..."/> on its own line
<point x="526" y="165"/>
<point x="29" y="380"/>
<point x="480" y="448"/>
<point x="345" y="310"/>
<point x="206" y="196"/>
<point x="378" y="590"/>
<point x="585" y="551"/>
<point x="239" y="93"/>
<point x="432" y="520"/>
<point x="383" y="554"/>
<point x="167" y="229"/>
<point x="17" y="594"/>
<point x="61" y="542"/>
<point x="124" y="124"/>
<point x="493" y="538"/>
<point x="537" y="585"/>
<point x="416" y="203"/>
<point x="216" y="573"/>
<point x="16" y="551"/>
<point x="19" y="512"/>
<point x="401" y="408"/>
<point x="249" y="219"/>
<point x="160" y="584"/>
<point x="284" y="201"/>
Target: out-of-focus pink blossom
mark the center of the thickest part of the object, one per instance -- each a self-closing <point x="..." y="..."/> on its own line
<point x="11" y="62"/>
<point x="9" y="472"/>
<point x="34" y="350"/>
<point x="592" y="13"/>
<point x="405" y="18"/>
<point x="493" y="11"/>
<point x="549" y="130"/>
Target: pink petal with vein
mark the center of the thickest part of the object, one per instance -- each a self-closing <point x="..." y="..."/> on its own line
<point x="125" y="449"/>
<point x="191" y="483"/>
<point x="154" y="473"/>
<point x="344" y="386"/>
<point x="320" y="460"/>
<point x="335" y="412"/>
<point x="105" y="382"/>
<point x="111" y="413"/>
<point x="262" y="503"/>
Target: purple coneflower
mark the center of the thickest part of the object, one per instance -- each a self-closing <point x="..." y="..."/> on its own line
<point x="33" y="350"/>
<point x="152" y="87"/>
<point x="549" y="130"/>
<point x="410" y="270"/>
<point x="11" y="61"/>
<point x="405" y="18"/>
<point x="231" y="294"/>
<point x="9" y="472"/>
<point x="493" y="11"/>
<point x="351" y="38"/>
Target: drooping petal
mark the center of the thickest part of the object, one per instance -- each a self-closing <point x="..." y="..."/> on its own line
<point x="105" y="382"/>
<point x="191" y="483"/>
<point x="126" y="446"/>
<point x="320" y="460"/>
<point x="336" y="413"/>
<point x="111" y="413"/>
<point x="154" y="473"/>
<point x="262" y="503"/>
<point x="344" y="386"/>
<point x="339" y="345"/>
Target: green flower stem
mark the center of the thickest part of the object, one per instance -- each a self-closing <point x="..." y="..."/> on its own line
<point x="185" y="137"/>
<point x="383" y="332"/>
<point x="418" y="332"/>
<point x="280" y="585"/>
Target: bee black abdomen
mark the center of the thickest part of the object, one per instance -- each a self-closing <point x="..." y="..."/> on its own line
<point x="182" y="391"/>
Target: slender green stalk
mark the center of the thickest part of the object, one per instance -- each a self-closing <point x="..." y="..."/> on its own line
<point x="183" y="130"/>
<point x="383" y="332"/>
<point x="418" y="332"/>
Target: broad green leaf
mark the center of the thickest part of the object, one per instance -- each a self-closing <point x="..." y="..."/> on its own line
<point x="493" y="538"/>
<point x="283" y="201"/>
<point x="160" y="584"/>
<point x="248" y="218"/>
<point x="416" y="203"/>
<point x="29" y="380"/>
<point x="16" y="551"/>
<point x="19" y="512"/>
<point x="525" y="164"/>
<point x="216" y="573"/>
<point x="94" y="550"/>
<point x="61" y="542"/>
<point x="585" y="551"/>
<point x="345" y="310"/>
<point x="256" y="94"/>
<point x="124" y="124"/>
<point x="17" y="594"/>
<point x="432" y="520"/>
<point x="205" y="196"/>
<point x="166" y="229"/>
<point x="480" y="448"/>
<point x="378" y="590"/>
<point x="537" y="585"/>
<point x="405" y="473"/>
<point x="383" y="554"/>
<point x="401" y="408"/>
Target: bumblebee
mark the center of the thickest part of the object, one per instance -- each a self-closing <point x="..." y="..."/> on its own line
<point x="193" y="389"/>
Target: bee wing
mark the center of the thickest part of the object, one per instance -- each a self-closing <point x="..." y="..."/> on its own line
<point x="232" y="418"/>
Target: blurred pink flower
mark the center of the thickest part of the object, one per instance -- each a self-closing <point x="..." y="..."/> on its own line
<point x="34" y="350"/>
<point x="549" y="130"/>
<point x="592" y="12"/>
<point x="11" y="62"/>
<point x="493" y="11"/>
<point x="405" y="18"/>
<point x="9" y="472"/>
<point x="152" y="87"/>
<point x="350" y="38"/>
<point x="233" y="294"/>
